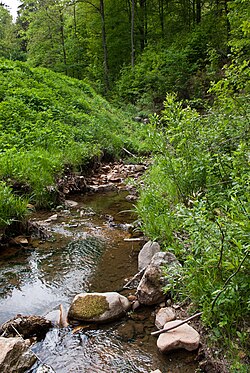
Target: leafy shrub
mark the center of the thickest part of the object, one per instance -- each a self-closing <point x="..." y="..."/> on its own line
<point x="196" y="200"/>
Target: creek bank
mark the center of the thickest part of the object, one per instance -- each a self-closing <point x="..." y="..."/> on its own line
<point x="101" y="177"/>
<point x="136" y="320"/>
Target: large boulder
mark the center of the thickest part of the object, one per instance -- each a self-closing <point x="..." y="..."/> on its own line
<point x="183" y="336"/>
<point x="149" y="290"/>
<point x="98" y="307"/>
<point x="146" y="254"/>
<point x="15" y="356"/>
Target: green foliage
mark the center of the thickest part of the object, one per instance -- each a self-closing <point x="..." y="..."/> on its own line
<point x="196" y="199"/>
<point x="12" y="207"/>
<point x="156" y="72"/>
<point x="9" y="44"/>
<point x="49" y="121"/>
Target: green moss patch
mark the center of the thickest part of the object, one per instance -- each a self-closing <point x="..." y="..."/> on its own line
<point x="89" y="306"/>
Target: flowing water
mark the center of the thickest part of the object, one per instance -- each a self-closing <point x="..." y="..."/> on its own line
<point x="86" y="253"/>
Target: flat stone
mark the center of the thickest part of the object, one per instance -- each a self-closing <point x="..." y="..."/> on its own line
<point x="163" y="316"/>
<point x="183" y="336"/>
<point x="20" y="240"/>
<point x="51" y="218"/>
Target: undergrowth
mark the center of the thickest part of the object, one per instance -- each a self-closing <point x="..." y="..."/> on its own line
<point x="48" y="122"/>
<point x="196" y="202"/>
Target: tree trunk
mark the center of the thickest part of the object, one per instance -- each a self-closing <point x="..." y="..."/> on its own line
<point x="104" y="45"/>
<point x="143" y="23"/>
<point x="63" y="43"/>
<point x="161" y="15"/>
<point x="198" y="11"/>
<point x="133" y="34"/>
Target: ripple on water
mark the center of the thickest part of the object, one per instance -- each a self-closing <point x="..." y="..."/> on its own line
<point x="93" y="351"/>
<point x="44" y="279"/>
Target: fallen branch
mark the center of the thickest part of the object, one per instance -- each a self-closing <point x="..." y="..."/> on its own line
<point x="138" y="275"/>
<point x="176" y="326"/>
<point x="135" y="277"/>
<point x="128" y="152"/>
<point x="134" y="239"/>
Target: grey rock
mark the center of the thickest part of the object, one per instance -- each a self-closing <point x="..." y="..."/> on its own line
<point x="149" y="290"/>
<point x="15" y="356"/>
<point x="70" y="203"/>
<point x="146" y="254"/>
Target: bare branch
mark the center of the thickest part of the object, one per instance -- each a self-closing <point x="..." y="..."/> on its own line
<point x="176" y="326"/>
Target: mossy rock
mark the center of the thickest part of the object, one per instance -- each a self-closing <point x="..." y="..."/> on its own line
<point x="98" y="307"/>
<point x="90" y="306"/>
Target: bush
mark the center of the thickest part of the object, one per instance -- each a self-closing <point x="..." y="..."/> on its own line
<point x="196" y="200"/>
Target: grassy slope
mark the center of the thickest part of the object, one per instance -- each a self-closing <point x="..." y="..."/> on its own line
<point x="49" y="121"/>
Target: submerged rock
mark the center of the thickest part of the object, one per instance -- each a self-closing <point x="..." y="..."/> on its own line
<point x="146" y="254"/>
<point x="149" y="290"/>
<point x="183" y="336"/>
<point x="163" y="316"/>
<point x="98" y="307"/>
<point x="15" y="356"/>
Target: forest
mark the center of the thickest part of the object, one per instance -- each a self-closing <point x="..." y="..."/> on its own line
<point x="74" y="75"/>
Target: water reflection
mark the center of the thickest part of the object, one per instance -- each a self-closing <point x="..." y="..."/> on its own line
<point x="44" y="279"/>
<point x="88" y="254"/>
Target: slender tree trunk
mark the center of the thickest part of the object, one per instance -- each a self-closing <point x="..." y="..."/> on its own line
<point x="104" y="45"/>
<point x="143" y="24"/>
<point x="63" y="42"/>
<point x="75" y="23"/>
<point x="161" y="15"/>
<point x="133" y="34"/>
<point x="198" y="11"/>
<point x="227" y="20"/>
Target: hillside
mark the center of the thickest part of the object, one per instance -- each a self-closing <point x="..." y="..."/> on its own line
<point x="48" y="122"/>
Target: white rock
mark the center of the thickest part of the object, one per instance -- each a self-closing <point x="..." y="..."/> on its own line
<point x="183" y="336"/>
<point x="51" y="218"/>
<point x="163" y="316"/>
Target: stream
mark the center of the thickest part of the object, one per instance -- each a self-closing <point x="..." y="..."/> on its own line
<point x="87" y="252"/>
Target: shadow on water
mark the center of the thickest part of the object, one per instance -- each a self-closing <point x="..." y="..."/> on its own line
<point x="88" y="253"/>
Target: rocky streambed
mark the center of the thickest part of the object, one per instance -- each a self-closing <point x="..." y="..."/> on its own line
<point x="90" y="250"/>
